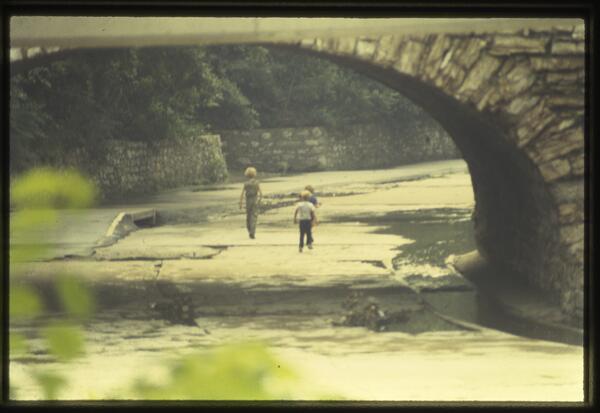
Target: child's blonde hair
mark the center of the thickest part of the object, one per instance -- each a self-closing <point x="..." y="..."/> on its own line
<point x="250" y="172"/>
<point x="305" y="195"/>
<point x="310" y="189"/>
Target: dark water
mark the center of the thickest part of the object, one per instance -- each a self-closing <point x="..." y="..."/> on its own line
<point x="439" y="234"/>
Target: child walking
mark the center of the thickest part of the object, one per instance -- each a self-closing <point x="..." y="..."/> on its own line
<point x="253" y="196"/>
<point x="313" y="199"/>
<point x="305" y="214"/>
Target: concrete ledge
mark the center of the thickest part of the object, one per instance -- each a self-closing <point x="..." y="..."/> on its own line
<point x="120" y="31"/>
<point x="508" y="298"/>
<point x="124" y="223"/>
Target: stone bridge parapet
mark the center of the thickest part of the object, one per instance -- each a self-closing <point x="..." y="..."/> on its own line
<point x="525" y="92"/>
<point x="510" y="92"/>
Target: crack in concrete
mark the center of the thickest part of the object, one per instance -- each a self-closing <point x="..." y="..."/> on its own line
<point x="158" y="267"/>
<point x="181" y="257"/>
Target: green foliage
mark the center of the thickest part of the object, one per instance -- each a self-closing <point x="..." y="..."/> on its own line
<point x="75" y="296"/>
<point x="65" y="341"/>
<point x="24" y="302"/>
<point x="244" y="371"/>
<point x="289" y="89"/>
<point x="17" y="344"/>
<point x="156" y="93"/>
<point x="45" y="188"/>
<point x="92" y="96"/>
<point x="25" y="220"/>
<point x="24" y="252"/>
<point x="51" y="383"/>
<point x="35" y="195"/>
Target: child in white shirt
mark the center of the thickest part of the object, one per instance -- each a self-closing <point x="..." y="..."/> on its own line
<point x="305" y="214"/>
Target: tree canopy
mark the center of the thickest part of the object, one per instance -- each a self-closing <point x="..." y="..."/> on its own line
<point x="149" y="94"/>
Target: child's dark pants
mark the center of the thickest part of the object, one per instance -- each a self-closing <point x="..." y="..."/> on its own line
<point x="305" y="228"/>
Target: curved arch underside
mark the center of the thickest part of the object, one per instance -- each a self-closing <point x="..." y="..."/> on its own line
<point x="513" y="100"/>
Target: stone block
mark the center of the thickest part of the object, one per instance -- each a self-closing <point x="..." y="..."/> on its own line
<point x="568" y="192"/>
<point x="481" y="72"/>
<point x="532" y="123"/>
<point x="578" y="164"/>
<point x="319" y="44"/>
<point x="571" y="234"/>
<point x="365" y="48"/>
<point x="570" y="213"/>
<point x="577" y="249"/>
<point x="468" y="51"/>
<point x="345" y="45"/>
<point x="566" y="123"/>
<point x="522" y="104"/>
<point x="579" y="32"/>
<point x="386" y="49"/>
<point x="490" y="98"/>
<point x="322" y="161"/>
<point x="308" y="43"/>
<point x="409" y="58"/>
<point x="517" y="81"/>
<point x="508" y="64"/>
<point x="556" y="63"/>
<point x="561" y="47"/>
<point x="439" y="46"/>
<point x="562" y="77"/>
<point x="508" y="45"/>
<point x="560" y="144"/>
<point x="455" y="75"/>
<point x="317" y="132"/>
<point x="553" y="170"/>
<point x="577" y="101"/>
<point x="567" y="209"/>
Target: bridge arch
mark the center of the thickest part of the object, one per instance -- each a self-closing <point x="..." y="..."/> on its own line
<point x="514" y="104"/>
<point x="513" y="99"/>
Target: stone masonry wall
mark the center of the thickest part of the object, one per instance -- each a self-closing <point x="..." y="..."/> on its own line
<point x="135" y="168"/>
<point x="320" y="148"/>
<point x="528" y="86"/>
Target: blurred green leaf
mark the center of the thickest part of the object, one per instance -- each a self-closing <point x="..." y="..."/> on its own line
<point x="42" y="188"/>
<point x="26" y="228"/>
<point x="24" y="302"/>
<point x="25" y="220"/>
<point x="65" y="341"/>
<point x="25" y="253"/>
<point x="246" y="371"/>
<point x="17" y="344"/>
<point x="75" y="296"/>
<point x="50" y="382"/>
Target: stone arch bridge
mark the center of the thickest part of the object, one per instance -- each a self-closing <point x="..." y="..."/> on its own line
<point x="511" y="93"/>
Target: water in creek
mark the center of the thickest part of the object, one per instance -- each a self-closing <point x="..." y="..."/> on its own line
<point x="345" y="363"/>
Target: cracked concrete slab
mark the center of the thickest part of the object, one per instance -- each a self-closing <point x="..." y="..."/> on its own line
<point x="137" y="251"/>
<point x="89" y="271"/>
<point x="231" y="233"/>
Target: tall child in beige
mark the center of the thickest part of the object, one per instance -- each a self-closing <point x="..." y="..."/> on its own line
<point x="253" y="196"/>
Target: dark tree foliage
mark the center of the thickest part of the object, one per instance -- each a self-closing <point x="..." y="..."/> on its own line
<point x="149" y="94"/>
<point x="289" y="89"/>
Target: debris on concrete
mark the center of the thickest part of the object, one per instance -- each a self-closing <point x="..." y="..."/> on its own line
<point x="175" y="312"/>
<point x="365" y="312"/>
